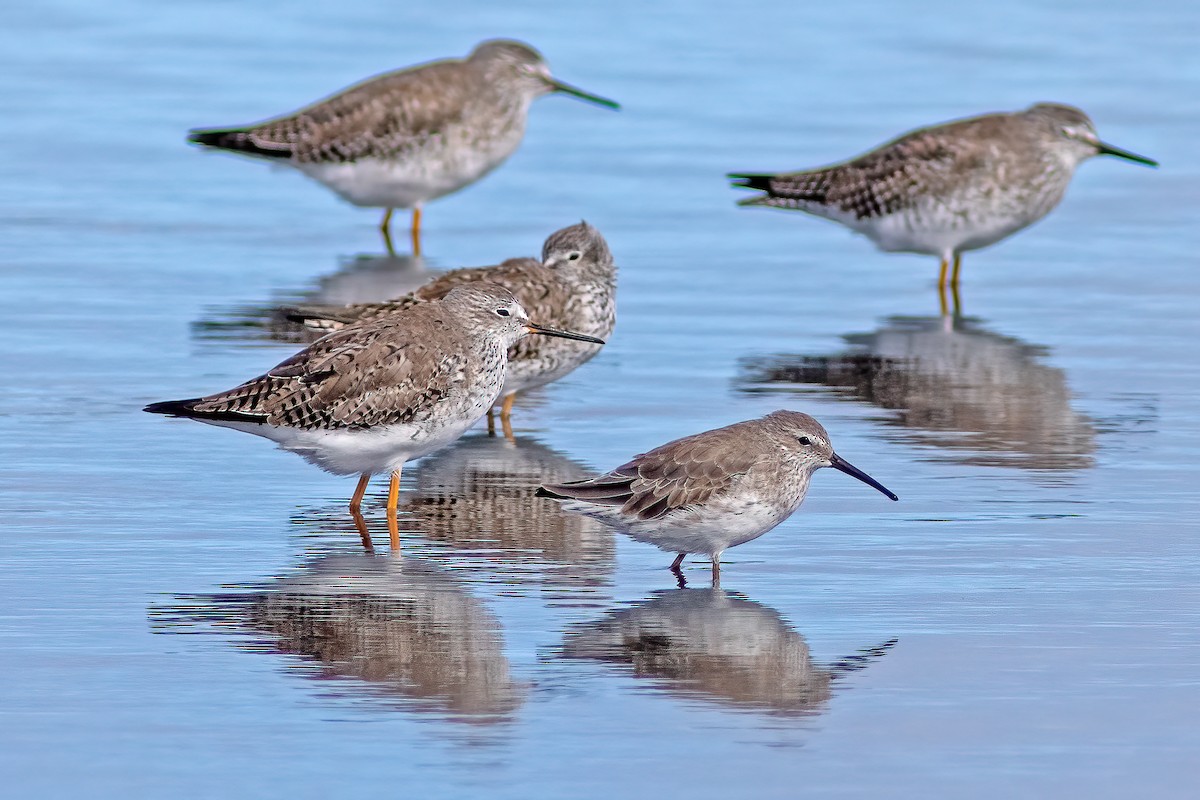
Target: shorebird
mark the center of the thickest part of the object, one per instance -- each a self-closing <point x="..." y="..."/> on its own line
<point x="402" y="138"/>
<point x="949" y="188"/>
<point x="714" y="490"/>
<point x="369" y="398"/>
<point x="572" y="287"/>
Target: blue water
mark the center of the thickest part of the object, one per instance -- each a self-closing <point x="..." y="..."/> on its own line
<point x="189" y="613"/>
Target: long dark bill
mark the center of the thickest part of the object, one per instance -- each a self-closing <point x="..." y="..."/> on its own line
<point x="533" y="327"/>
<point x="567" y="88"/>
<point x="1108" y="150"/>
<point x="839" y="463"/>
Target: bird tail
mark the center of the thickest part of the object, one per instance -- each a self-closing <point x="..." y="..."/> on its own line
<point x="781" y="190"/>
<point x="174" y="408"/>
<point x="317" y="317"/>
<point x="189" y="410"/>
<point x="239" y="140"/>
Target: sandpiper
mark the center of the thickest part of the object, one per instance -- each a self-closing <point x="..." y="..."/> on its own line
<point x="401" y="138"/>
<point x="572" y="287"/>
<point x="714" y="490"/>
<point x="367" y="399"/>
<point x="949" y="188"/>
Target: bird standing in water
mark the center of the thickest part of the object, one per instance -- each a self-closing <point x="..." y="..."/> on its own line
<point x="949" y="188"/>
<point x="572" y="287"/>
<point x="402" y="138"/>
<point x="369" y="398"/>
<point x="714" y="490"/>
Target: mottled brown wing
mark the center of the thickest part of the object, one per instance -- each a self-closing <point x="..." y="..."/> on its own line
<point x="884" y="181"/>
<point x="679" y="474"/>
<point x="358" y="378"/>
<point x="380" y="117"/>
<point x="512" y="274"/>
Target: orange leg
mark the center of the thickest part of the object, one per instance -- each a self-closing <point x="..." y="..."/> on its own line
<point x="416" y="230"/>
<point x="392" y="503"/>
<point x="385" y="228"/>
<point x="359" y="491"/>
<point x="491" y="418"/>
<point x="361" y="525"/>
<point x="506" y="417"/>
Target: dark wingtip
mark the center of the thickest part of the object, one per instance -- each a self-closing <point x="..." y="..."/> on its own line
<point x="549" y="491"/>
<point x="207" y="137"/>
<point x="173" y="408"/>
<point x="235" y="139"/>
<point x="746" y="181"/>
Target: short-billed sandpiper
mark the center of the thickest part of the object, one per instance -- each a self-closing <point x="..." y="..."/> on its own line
<point x="714" y="490"/>
<point x="399" y="139"/>
<point x="367" y="399"/>
<point x="572" y="287"/>
<point x="949" y="188"/>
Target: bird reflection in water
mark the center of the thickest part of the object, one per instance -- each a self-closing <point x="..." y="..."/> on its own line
<point x="361" y="279"/>
<point x="714" y="645"/>
<point x="399" y="628"/>
<point x="958" y="385"/>
<point x="477" y="499"/>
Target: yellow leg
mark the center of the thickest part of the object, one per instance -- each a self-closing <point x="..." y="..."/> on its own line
<point x="942" y="275"/>
<point x="506" y="417"/>
<point x="385" y="228"/>
<point x="416" y="231"/>
<point x="957" y="270"/>
<point x="359" y="491"/>
<point x="392" y="503"/>
<point x="361" y="525"/>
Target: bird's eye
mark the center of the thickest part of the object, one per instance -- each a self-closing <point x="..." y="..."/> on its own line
<point x="503" y="312"/>
<point x="804" y="440"/>
<point x="575" y="256"/>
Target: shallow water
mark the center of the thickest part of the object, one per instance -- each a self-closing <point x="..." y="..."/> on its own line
<point x="188" y="610"/>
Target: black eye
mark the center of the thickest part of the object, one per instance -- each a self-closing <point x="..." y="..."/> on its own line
<point x="503" y="312"/>
<point x="574" y="256"/>
<point x="804" y="440"/>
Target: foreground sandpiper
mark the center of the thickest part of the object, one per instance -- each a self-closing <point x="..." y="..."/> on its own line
<point x="949" y="188"/>
<point x="399" y="139"/>
<point x="572" y="287"/>
<point x="369" y="398"/>
<point x="714" y="490"/>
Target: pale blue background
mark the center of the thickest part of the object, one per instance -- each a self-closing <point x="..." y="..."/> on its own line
<point x="1047" y="620"/>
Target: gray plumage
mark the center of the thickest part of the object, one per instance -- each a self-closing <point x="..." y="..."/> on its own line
<point x="394" y="370"/>
<point x="572" y="287"/>
<point x="714" y="490"/>
<point x="371" y="397"/>
<point x="399" y="139"/>
<point x="948" y="188"/>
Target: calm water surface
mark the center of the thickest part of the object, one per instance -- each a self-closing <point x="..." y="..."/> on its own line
<point x="187" y="610"/>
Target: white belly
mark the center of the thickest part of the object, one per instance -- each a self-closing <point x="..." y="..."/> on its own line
<point x="411" y="178"/>
<point x="354" y="452"/>
<point x="711" y="530"/>
<point x="906" y="233"/>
